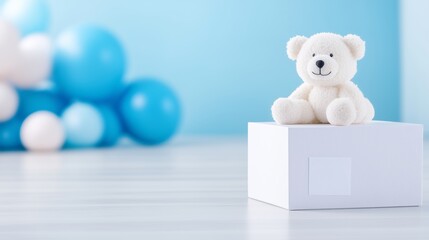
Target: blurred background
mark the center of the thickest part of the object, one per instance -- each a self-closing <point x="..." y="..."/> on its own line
<point x="414" y="64"/>
<point x="226" y="59"/>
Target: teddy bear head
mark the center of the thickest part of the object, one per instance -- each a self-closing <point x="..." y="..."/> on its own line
<point x="326" y="59"/>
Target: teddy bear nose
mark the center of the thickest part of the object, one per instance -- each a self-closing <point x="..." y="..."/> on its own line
<point x="320" y="63"/>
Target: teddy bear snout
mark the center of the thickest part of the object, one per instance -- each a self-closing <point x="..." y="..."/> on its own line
<point x="320" y="63"/>
<point x="322" y="67"/>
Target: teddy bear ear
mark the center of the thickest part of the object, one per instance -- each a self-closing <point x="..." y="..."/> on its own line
<point x="356" y="45"/>
<point x="294" y="46"/>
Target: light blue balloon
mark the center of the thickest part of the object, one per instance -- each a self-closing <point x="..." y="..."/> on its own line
<point x="112" y="126"/>
<point x="150" y="111"/>
<point x="83" y="124"/>
<point x="30" y="16"/>
<point x="31" y="100"/>
<point x="89" y="63"/>
<point x="9" y="135"/>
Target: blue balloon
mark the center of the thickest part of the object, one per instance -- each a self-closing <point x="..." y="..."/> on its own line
<point x="31" y="101"/>
<point x="112" y="126"/>
<point x="10" y="135"/>
<point x="150" y="111"/>
<point x="83" y="124"/>
<point x="30" y="16"/>
<point x="89" y="63"/>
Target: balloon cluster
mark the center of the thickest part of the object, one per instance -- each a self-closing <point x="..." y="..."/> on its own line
<point x="72" y="93"/>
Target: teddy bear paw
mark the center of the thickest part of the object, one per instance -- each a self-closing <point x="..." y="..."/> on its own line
<point x="341" y="112"/>
<point x="285" y="111"/>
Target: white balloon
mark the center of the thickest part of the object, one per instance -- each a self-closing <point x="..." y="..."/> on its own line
<point x="42" y="131"/>
<point x="8" y="101"/>
<point x="9" y="41"/>
<point x="34" y="61"/>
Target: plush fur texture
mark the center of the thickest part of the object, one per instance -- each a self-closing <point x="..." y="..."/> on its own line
<point x="326" y="62"/>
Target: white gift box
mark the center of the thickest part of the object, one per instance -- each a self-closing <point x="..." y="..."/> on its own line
<point x="319" y="166"/>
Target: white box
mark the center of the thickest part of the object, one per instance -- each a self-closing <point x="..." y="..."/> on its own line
<point x="322" y="166"/>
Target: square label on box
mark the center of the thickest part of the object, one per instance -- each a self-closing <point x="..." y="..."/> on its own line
<point x="330" y="176"/>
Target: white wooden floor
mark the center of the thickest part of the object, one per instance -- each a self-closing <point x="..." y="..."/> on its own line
<point x="193" y="188"/>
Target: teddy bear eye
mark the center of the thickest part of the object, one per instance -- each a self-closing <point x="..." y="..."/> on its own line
<point x="314" y="54"/>
<point x="331" y="55"/>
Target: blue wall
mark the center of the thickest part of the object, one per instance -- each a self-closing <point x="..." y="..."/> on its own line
<point x="415" y="51"/>
<point x="226" y="58"/>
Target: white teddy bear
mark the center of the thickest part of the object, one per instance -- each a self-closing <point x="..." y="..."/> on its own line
<point x="326" y="62"/>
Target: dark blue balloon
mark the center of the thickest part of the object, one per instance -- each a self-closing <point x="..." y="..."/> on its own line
<point x="112" y="126"/>
<point x="89" y="63"/>
<point x="31" y="101"/>
<point x="9" y="135"/>
<point x="150" y="111"/>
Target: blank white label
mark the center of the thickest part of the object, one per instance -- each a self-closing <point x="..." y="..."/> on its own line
<point x="330" y="176"/>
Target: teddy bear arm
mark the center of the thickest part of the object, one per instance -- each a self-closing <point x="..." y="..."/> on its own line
<point x="351" y="90"/>
<point x="364" y="108"/>
<point x="302" y="92"/>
